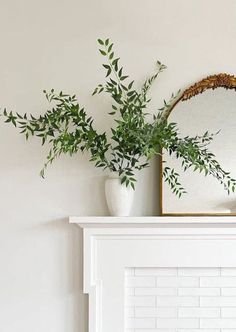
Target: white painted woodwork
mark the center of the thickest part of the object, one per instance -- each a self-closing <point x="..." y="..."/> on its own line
<point x="111" y="245"/>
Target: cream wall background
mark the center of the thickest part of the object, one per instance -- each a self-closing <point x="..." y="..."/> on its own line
<point x="51" y="43"/>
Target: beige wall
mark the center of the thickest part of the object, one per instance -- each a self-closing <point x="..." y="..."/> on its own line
<point x="51" y="43"/>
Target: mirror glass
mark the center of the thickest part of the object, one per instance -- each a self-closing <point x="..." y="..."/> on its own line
<point x="213" y="110"/>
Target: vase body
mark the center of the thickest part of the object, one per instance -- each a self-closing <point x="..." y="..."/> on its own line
<point x="119" y="198"/>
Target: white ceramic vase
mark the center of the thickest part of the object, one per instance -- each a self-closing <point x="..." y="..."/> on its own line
<point x="119" y="197"/>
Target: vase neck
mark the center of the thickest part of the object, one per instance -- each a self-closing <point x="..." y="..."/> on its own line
<point x="114" y="175"/>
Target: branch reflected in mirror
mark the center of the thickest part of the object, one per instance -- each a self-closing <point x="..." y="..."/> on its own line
<point x="208" y="105"/>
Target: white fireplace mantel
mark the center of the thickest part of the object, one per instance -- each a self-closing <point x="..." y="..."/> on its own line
<point x="120" y="222"/>
<point x="112" y="244"/>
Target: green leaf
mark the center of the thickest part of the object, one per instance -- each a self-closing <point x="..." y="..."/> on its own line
<point x="94" y="92"/>
<point x="109" y="48"/>
<point x="108" y="72"/>
<point x="123" y="179"/>
<point x="130" y="85"/>
<point x="100" y="42"/>
<point x="120" y="72"/>
<point x="102" y="52"/>
<point x="113" y="82"/>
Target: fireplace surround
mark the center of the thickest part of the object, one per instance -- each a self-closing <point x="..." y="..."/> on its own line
<point x="159" y="274"/>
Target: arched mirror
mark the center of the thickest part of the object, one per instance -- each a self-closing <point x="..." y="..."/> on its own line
<point x="209" y="104"/>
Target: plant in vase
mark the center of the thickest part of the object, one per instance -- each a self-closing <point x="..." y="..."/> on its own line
<point x="136" y="137"/>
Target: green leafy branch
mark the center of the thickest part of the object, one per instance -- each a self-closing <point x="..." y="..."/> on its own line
<point x="68" y="129"/>
<point x="194" y="154"/>
<point x="172" y="178"/>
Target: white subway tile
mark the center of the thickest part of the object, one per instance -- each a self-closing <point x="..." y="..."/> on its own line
<point x="156" y="312"/>
<point x="140" y="301"/>
<point x="167" y="312"/>
<point x="146" y="312"/>
<point x="177" y="323"/>
<point x="147" y="323"/>
<point x="203" y="291"/>
<point x="140" y="281"/>
<point x="199" y="312"/>
<point x="177" y="301"/>
<point x="156" y="291"/>
<point x="177" y="281"/>
<point x="180" y="299"/>
<point x="228" y="312"/>
<point x="218" y="301"/>
<point x="218" y="281"/>
<point x="218" y="323"/>
<point x="228" y="271"/>
<point x="159" y="271"/>
<point x="228" y="291"/>
<point x="188" y="271"/>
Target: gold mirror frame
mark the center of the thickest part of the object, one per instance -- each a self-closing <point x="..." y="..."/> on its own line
<point x="213" y="82"/>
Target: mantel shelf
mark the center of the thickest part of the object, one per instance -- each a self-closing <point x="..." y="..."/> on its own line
<point x="123" y="222"/>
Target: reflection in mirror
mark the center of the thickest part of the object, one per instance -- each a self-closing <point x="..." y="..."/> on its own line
<point x="214" y="110"/>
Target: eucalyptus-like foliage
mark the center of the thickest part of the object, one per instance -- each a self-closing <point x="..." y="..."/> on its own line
<point x="135" y="138"/>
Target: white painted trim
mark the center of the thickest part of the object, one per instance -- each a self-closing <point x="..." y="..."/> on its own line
<point x="213" y="233"/>
<point x="105" y="221"/>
